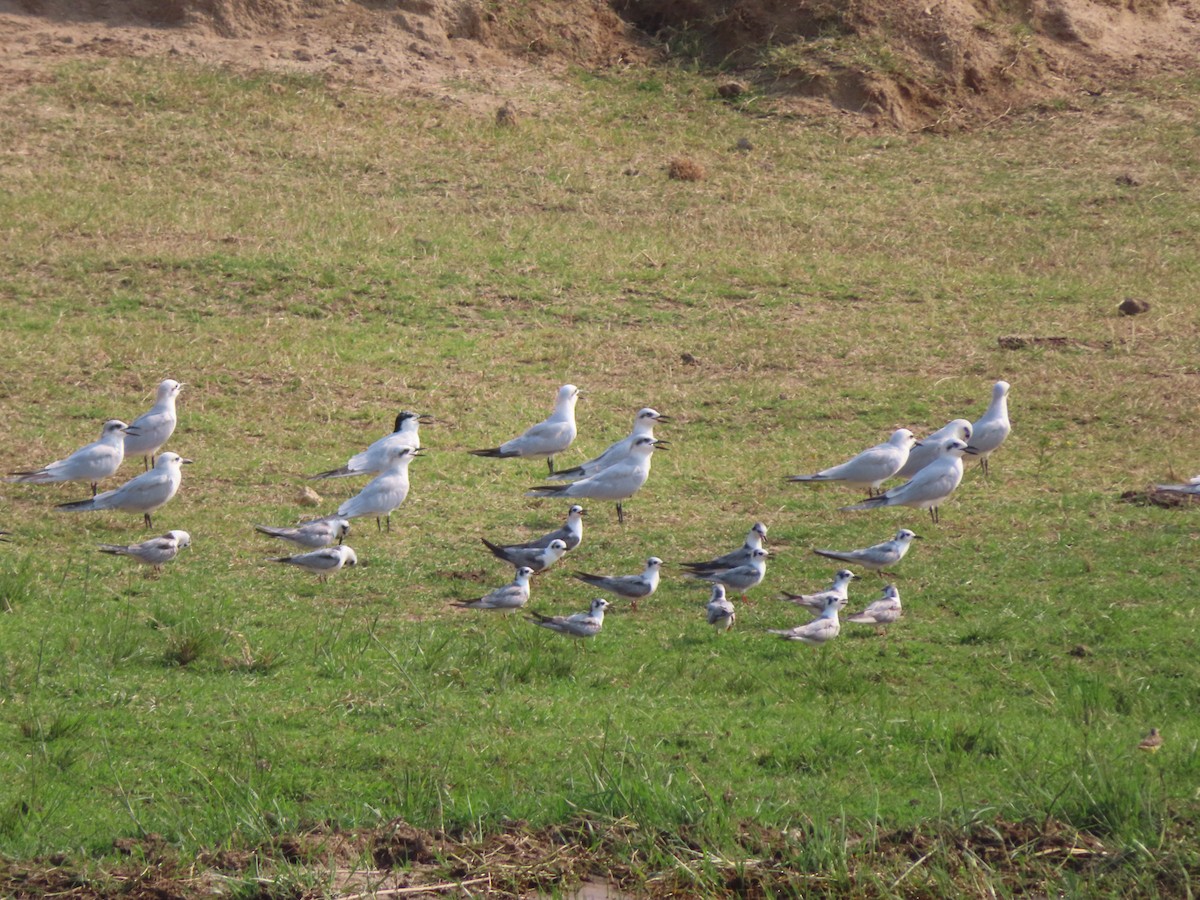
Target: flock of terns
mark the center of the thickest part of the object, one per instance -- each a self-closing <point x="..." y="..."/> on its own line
<point x="933" y="468"/>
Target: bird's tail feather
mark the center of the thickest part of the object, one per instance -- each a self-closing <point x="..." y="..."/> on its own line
<point x="78" y="505"/>
<point x="343" y="472"/>
<point x="493" y="452"/>
<point x="547" y="490"/>
<point x="869" y="503"/>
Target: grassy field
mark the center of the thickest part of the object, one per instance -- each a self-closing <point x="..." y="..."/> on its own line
<point x="310" y="261"/>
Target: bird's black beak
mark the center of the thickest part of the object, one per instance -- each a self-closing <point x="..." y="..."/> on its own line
<point x="426" y="419"/>
<point x="129" y="429"/>
<point x="974" y="451"/>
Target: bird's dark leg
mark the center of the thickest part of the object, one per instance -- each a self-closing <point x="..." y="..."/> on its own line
<point x="550" y="464"/>
<point x="93" y="489"/>
<point x="145" y="463"/>
<point x="620" y="514"/>
<point x="933" y="514"/>
<point x="983" y="462"/>
<point x="378" y="524"/>
<point x="146" y="519"/>
<point x="389" y="523"/>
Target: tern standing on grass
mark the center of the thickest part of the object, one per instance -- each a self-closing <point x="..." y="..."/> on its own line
<point x="90" y="464"/>
<point x="738" y="557"/>
<point x="816" y="603"/>
<point x="739" y="578"/>
<point x="618" y="482"/>
<point x="510" y="597"/>
<point x="643" y="426"/>
<point x="929" y="487"/>
<point x="155" y="552"/>
<point x="929" y="448"/>
<point x="147" y="492"/>
<point x="312" y="535"/>
<point x="580" y="625"/>
<point x="720" y="610"/>
<point x="376" y="458"/>
<point x="632" y="587"/>
<point x="821" y="629"/>
<point x="872" y="467"/>
<point x="546" y="438"/>
<point x="993" y="427"/>
<point x="383" y="493"/>
<point x="151" y="430"/>
<point x="324" y="562"/>
<point x="571" y="534"/>
<point x="882" y="612"/>
<point x="878" y="556"/>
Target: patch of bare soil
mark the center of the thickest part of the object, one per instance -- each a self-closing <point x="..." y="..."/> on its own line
<point x="908" y="64"/>
<point x="397" y="860"/>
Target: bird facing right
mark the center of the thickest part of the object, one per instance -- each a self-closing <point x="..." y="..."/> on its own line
<point x="993" y="426"/>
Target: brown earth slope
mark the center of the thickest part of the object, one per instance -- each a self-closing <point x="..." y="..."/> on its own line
<point x="900" y="63"/>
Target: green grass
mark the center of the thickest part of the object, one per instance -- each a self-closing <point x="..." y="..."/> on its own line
<point x="310" y="261"/>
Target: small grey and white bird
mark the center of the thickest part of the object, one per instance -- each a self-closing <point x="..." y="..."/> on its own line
<point x="872" y="467"/>
<point x="324" y="562"/>
<point x="536" y="558"/>
<point x="151" y="430"/>
<point x="378" y="456"/>
<point x="155" y="552"/>
<point x="720" y="610"/>
<point x="821" y="629"/>
<point x="877" y="557"/>
<point x="546" y="438"/>
<point x="738" y="557"/>
<point x="511" y="596"/>
<point x="571" y="533"/>
<point x="631" y="587"/>
<point x="1192" y="486"/>
<point x="816" y="603"/>
<point x="384" y="493"/>
<point x="90" y="464"/>
<point x="929" y="487"/>
<point x="580" y="625"/>
<point x="618" y="482"/>
<point x="928" y="448"/>
<point x="315" y="534"/>
<point x="989" y="432"/>
<point x="145" y="493"/>
<point x="643" y="426"/>
<point x="881" y="612"/>
<point x="739" y="578"/>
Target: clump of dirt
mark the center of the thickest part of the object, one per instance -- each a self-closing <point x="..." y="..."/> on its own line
<point x="908" y="64"/>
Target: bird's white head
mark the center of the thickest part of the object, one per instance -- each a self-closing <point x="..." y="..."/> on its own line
<point x="169" y="460"/>
<point x="902" y="437"/>
<point x="349" y="557"/>
<point x="954" y="447"/>
<point x="567" y="395"/>
<point x="904" y="535"/>
<point x="113" y="426"/>
<point x="182" y="538"/>
<point x="168" y="389"/>
<point x="760" y="529"/>
<point x="576" y="512"/>
<point x="559" y="545"/>
<point x="845" y="576"/>
<point x="718" y="593"/>
<point x="599" y="605"/>
<point x="523" y="573"/>
<point x="1000" y="389"/>
<point x="654" y="563"/>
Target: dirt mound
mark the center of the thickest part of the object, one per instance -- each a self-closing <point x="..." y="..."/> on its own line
<point x="916" y="63"/>
<point x="903" y="63"/>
